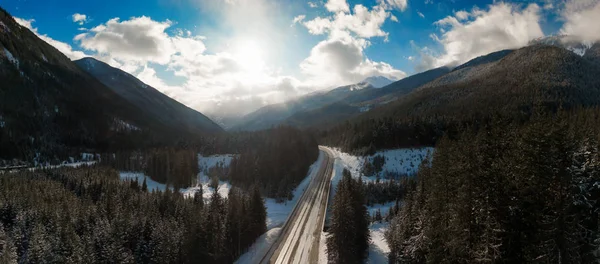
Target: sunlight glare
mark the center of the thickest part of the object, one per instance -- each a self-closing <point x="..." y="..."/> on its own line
<point x="249" y="55"/>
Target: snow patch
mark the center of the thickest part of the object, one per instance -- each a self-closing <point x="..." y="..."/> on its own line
<point x="44" y="58"/>
<point x="383" y="208"/>
<point x="323" y="248"/>
<point x="260" y="247"/>
<point x="2" y="122"/>
<point x="140" y="176"/>
<point x="89" y="156"/>
<point x="4" y="27"/>
<point x="405" y="161"/>
<point x="11" y="58"/>
<point x="378" y="246"/>
<point x="119" y="124"/>
<point x="277" y="213"/>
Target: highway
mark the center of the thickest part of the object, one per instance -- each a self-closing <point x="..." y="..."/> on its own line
<point x="301" y="233"/>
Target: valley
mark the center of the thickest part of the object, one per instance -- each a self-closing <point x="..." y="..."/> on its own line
<point x="313" y="132"/>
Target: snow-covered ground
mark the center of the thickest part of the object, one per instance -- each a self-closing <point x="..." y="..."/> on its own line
<point x="204" y="164"/>
<point x="277" y="213"/>
<point x="152" y="185"/>
<point x="378" y="246"/>
<point x="383" y="207"/>
<point x="261" y="244"/>
<point x="397" y="161"/>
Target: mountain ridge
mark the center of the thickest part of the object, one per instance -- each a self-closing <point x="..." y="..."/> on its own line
<point x="163" y="108"/>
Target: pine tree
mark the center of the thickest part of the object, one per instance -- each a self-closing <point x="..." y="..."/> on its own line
<point x="8" y="252"/>
<point x="349" y="231"/>
<point x="144" y="185"/>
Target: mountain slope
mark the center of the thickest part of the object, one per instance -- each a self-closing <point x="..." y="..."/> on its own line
<point x="158" y="106"/>
<point x="351" y="98"/>
<point x="272" y="115"/>
<point x="378" y="81"/>
<point x="533" y="79"/>
<point x="50" y="107"/>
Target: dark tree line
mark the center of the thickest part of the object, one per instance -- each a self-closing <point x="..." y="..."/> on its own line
<point x="349" y="237"/>
<point x="172" y="166"/>
<point x="386" y="191"/>
<point x="88" y="215"/>
<point x="506" y="194"/>
<point x="365" y="136"/>
<point x="277" y="164"/>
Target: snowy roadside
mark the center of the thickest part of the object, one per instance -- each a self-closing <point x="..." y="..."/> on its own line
<point x="277" y="213"/>
<point x="397" y="161"/>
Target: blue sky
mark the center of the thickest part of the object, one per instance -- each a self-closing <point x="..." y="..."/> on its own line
<point x="232" y="56"/>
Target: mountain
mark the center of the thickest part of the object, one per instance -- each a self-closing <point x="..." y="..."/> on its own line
<point x="153" y="103"/>
<point x="327" y="106"/>
<point x="377" y="81"/>
<point x="533" y="79"/>
<point x="50" y="107"/>
<point x="276" y="114"/>
<point x="565" y="41"/>
<point x="593" y="53"/>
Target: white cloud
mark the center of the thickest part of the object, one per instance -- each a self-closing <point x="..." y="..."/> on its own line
<point x="313" y="5"/>
<point x="337" y="6"/>
<point x="298" y="19"/>
<point x="461" y="15"/>
<point x="138" y="39"/>
<point x="79" y="18"/>
<point x="395" y="4"/>
<point x="60" y="46"/>
<point x="502" y="26"/>
<point x="581" y="20"/>
<point x="341" y="60"/>
<point x="363" y="22"/>
<point x="420" y="14"/>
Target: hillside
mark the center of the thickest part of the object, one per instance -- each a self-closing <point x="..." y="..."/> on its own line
<point x="49" y="107"/>
<point x="158" y="106"/>
<point x="276" y="114"/>
<point x="532" y="79"/>
<point x="337" y="105"/>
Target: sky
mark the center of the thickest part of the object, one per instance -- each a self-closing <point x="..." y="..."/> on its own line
<point x="230" y="57"/>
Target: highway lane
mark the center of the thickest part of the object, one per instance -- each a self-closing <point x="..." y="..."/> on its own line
<point x="301" y="233"/>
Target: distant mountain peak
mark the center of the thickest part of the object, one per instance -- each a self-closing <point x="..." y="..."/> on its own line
<point x="377" y="81"/>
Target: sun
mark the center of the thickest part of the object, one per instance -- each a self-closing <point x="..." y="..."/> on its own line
<point x="249" y="55"/>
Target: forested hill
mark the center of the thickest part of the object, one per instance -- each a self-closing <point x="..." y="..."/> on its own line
<point x="506" y="194"/>
<point x="537" y="78"/>
<point x="50" y="107"/>
<point x="161" y="108"/>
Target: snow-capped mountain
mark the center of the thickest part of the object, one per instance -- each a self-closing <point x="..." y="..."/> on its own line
<point x="565" y="41"/>
<point x="378" y="81"/>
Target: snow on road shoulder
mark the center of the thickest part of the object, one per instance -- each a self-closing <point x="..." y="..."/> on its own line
<point x="260" y="246"/>
<point x="277" y="213"/>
